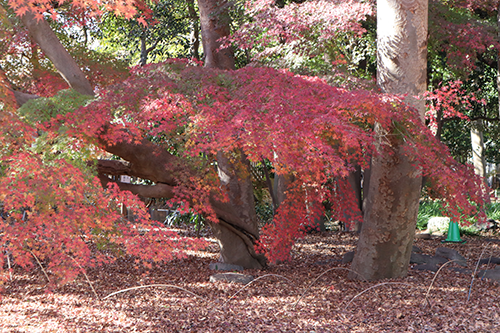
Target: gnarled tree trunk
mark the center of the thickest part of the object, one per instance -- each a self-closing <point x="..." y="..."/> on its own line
<point x="236" y="238"/>
<point x="386" y="238"/>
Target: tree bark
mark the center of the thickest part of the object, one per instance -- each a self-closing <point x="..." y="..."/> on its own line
<point x="42" y="33"/>
<point x="22" y="98"/>
<point x="215" y="20"/>
<point x="237" y="239"/>
<point x="389" y="222"/>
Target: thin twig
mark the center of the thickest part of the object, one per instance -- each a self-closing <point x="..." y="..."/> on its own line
<point x="88" y="280"/>
<point x="149" y="286"/>
<point x="249" y="283"/>
<point x="328" y="270"/>
<point x="475" y="270"/>
<point x="39" y="263"/>
<point x="377" y="285"/>
<point x="434" y="279"/>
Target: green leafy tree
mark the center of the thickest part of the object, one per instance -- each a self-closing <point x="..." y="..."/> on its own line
<point x="165" y="33"/>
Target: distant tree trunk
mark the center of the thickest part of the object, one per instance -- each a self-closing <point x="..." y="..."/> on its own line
<point x="145" y="51"/>
<point x="478" y="154"/>
<point x="386" y="238"/>
<point x="215" y="20"/>
<point x="144" y="54"/>
<point x="354" y="180"/>
<point x="236" y="240"/>
<point x="477" y="142"/>
<point x="281" y="183"/>
<point x="194" y="39"/>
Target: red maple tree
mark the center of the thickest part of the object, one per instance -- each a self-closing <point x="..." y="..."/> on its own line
<point x="168" y="122"/>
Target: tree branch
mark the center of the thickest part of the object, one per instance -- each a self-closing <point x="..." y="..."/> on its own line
<point x="152" y="47"/>
<point x="114" y="167"/>
<point x="484" y="118"/>
<point x="22" y="98"/>
<point x="444" y="120"/>
<point x="42" y="33"/>
<point x="147" y="191"/>
<point x="146" y="160"/>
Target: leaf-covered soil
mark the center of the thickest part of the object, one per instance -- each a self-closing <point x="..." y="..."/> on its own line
<point x="309" y="294"/>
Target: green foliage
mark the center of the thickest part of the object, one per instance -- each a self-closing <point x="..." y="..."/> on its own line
<point x="431" y="208"/>
<point x="45" y="109"/>
<point x="426" y="210"/>
<point x="463" y="46"/>
<point x="167" y="29"/>
<point x="43" y="113"/>
<point x="493" y="211"/>
<point x="175" y="218"/>
<point x="264" y="212"/>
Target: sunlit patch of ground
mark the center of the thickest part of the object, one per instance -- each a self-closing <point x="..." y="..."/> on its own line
<point x="311" y="293"/>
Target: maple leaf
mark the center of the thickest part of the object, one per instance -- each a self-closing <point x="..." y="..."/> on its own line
<point x="21" y="10"/>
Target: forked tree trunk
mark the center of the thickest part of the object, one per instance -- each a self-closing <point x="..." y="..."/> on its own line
<point x="386" y="238"/>
<point x="236" y="238"/>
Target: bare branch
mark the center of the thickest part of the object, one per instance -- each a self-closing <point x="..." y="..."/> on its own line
<point x="22" y="98"/>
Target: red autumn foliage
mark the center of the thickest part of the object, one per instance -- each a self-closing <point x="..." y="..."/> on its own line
<point x="297" y="24"/>
<point x="58" y="212"/>
<point x="449" y="101"/>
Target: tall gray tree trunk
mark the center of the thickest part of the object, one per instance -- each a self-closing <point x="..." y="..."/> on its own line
<point x="389" y="222"/>
<point x="237" y="237"/>
<point x="477" y="142"/>
<point x="194" y="38"/>
<point x="478" y="152"/>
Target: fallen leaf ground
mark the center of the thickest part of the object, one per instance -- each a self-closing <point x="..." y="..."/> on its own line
<point x="309" y="294"/>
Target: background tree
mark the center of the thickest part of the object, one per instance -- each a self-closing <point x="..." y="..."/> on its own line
<point x="165" y="34"/>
